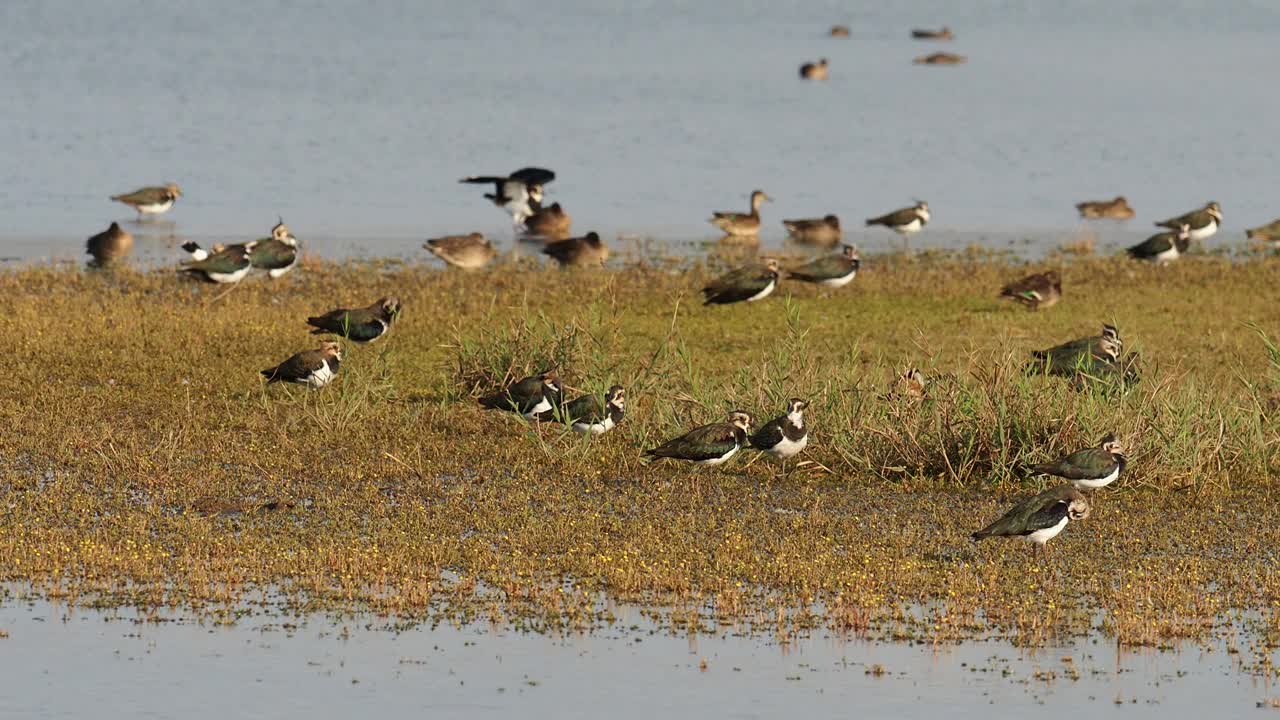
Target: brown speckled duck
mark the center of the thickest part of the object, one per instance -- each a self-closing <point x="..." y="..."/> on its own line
<point x="579" y="251"/>
<point x="942" y="34"/>
<point x="550" y="223"/>
<point x="1117" y="209"/>
<point x="814" y="71"/>
<point x="469" y="252"/>
<point x="839" y="31"/>
<point x="742" y="224"/>
<point x="940" y="58"/>
<point x="817" y="231"/>
<point x="109" y="245"/>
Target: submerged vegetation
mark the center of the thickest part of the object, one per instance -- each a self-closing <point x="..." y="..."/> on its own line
<point x="143" y="461"/>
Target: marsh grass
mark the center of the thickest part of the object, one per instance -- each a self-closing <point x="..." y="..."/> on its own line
<point x="144" y="461"/>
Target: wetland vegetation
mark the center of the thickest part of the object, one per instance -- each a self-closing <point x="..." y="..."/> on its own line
<point x="145" y="463"/>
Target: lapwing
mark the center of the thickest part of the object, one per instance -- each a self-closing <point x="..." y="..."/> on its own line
<point x="942" y="34"/>
<point x="1041" y="290"/>
<point x="784" y="436"/>
<point x="940" y="58"/>
<point x="1088" y="469"/>
<point x="905" y="220"/>
<point x="548" y="223"/>
<point x="531" y="397"/>
<point x="1039" y="519"/>
<point x="745" y="284"/>
<point x="226" y="265"/>
<point x="1269" y="233"/>
<point x="816" y="231"/>
<point x="1203" y="223"/>
<point x="579" y="251"/>
<point x="516" y="191"/>
<point x="151" y="200"/>
<point x="1116" y="209"/>
<point x="277" y="254"/>
<point x="911" y="384"/>
<point x="1163" y="247"/>
<point x="315" y="368"/>
<point x="710" y="444"/>
<point x="839" y="31"/>
<point x="109" y="245"/>
<point x="831" y="271"/>
<point x="1082" y="356"/>
<point x="362" y="325"/>
<point x="469" y="252"/>
<point x="742" y="224"/>
<point x="588" y="417"/>
<point x="814" y="71"/>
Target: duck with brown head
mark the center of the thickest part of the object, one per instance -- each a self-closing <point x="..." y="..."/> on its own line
<point x="742" y="224"/>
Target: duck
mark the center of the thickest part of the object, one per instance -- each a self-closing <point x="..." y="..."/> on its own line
<point x="531" y="397"/>
<point x="839" y="31"/>
<point x="155" y="200"/>
<point x="226" y="265"/>
<point x="516" y="191"/>
<point x="817" y="231"/>
<point x="1041" y="290"/>
<point x="1269" y="233"/>
<point x="109" y="245"/>
<point x="469" y="252"/>
<point x="745" y="284"/>
<point x="707" y="445"/>
<point x="548" y="223"/>
<point x="1090" y="468"/>
<point x="1117" y="208"/>
<point x="1202" y="223"/>
<point x="742" y="224"/>
<point x="940" y="58"/>
<point x="363" y="325"/>
<point x="1164" y="247"/>
<point x="579" y="251"/>
<point x="904" y="221"/>
<point x="1039" y="519"/>
<point x="784" y="436"/>
<point x="814" y="71"/>
<point x="943" y="34"/>
<point x="832" y="271"/>
<point x="314" y="368"/>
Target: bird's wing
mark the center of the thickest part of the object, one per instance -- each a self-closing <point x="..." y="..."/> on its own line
<point x="144" y="196"/>
<point x="533" y="176"/>
<point x="824" y="268"/>
<point x="586" y="409"/>
<point x="768" y="435"/>
<point x="704" y="443"/>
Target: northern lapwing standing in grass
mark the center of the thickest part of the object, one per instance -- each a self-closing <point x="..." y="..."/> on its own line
<point x="362" y="325"/>
<point x="109" y="245"/>
<point x="548" y="223"/>
<point x="580" y="251"/>
<point x="531" y="397"/>
<point x="745" y="284"/>
<point x="1116" y="209"/>
<point x="940" y="58"/>
<point x="905" y="220"/>
<point x="277" y="254"/>
<point x="515" y="192"/>
<point x="839" y="31"/>
<point x="823" y="231"/>
<point x="710" y="444"/>
<point x="1163" y="247"/>
<point x="226" y="265"/>
<point x="742" y="224"/>
<point x="1039" y="519"/>
<point x="469" y="252"/>
<point x="1203" y="223"/>
<point x="1040" y="290"/>
<point x="1269" y="233"/>
<point x="832" y="271"/>
<point x="1090" y="468"/>
<point x="784" y="436"/>
<point x="151" y="200"/>
<point x="910" y="384"/>
<point x="1097" y="357"/>
<point x="588" y="417"/>
<point x="814" y="71"/>
<point x="315" y="368"/>
<point x="942" y="34"/>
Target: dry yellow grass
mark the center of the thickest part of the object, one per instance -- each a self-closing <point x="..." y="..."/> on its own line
<point x="144" y="462"/>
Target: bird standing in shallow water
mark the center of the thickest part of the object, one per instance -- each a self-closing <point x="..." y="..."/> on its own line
<point x="904" y="221"/>
<point x="362" y="325"/>
<point x="1090" y="468"/>
<point x="710" y="444"/>
<point x="742" y="224"/>
<point x="547" y="223"/>
<point x="784" y="436"/>
<point x="109" y="245"/>
<point x="151" y="200"/>
<point x="1041" y="290"/>
<point x="814" y="71"/>
<point x="518" y="193"/>
<point x="1039" y="519"/>
<point x="745" y="284"/>
<point x="823" y="231"/>
<point x="314" y="368"/>
<point x="1116" y="209"/>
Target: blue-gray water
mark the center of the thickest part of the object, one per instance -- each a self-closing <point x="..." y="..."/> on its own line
<point x="58" y="663"/>
<point x="354" y="120"/>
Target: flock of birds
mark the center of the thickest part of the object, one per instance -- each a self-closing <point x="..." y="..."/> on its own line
<point x="541" y="398"/>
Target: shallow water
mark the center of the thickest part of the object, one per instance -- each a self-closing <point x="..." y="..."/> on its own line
<point x="61" y="663"/>
<point x="354" y="120"/>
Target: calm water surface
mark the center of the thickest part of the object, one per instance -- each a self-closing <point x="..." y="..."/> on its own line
<point x="354" y="120"/>
<point x="58" y="663"/>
